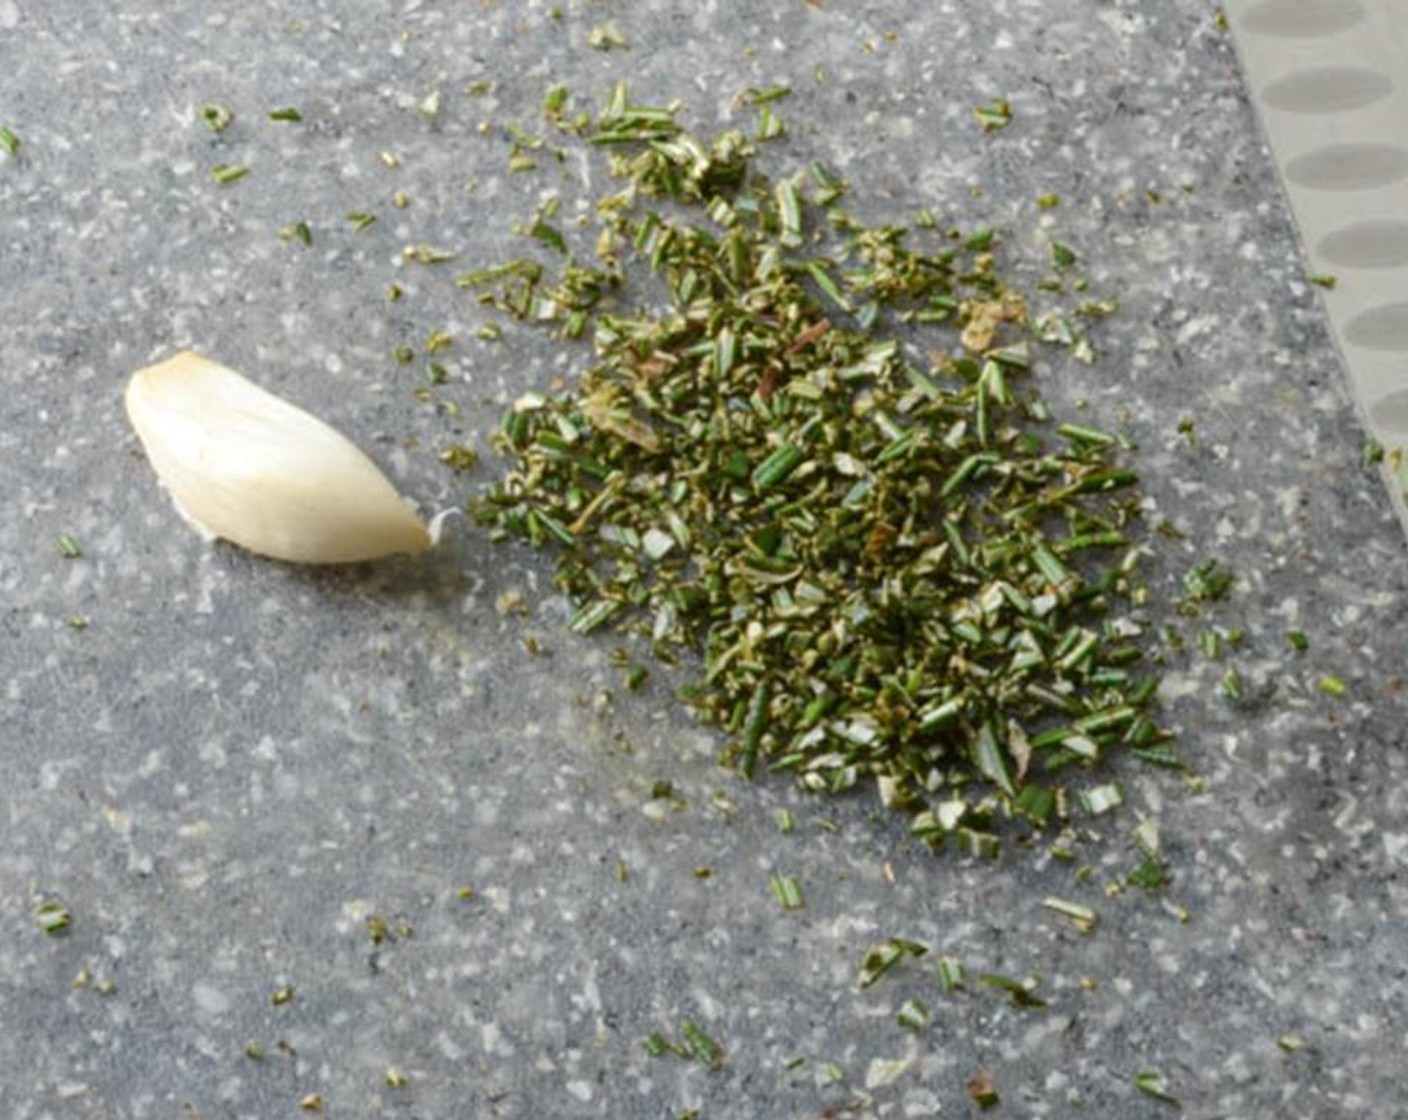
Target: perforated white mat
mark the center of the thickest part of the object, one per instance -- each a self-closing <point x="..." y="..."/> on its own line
<point x="1330" y="78"/>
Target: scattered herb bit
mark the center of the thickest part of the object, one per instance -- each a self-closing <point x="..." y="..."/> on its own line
<point x="427" y="254"/>
<point x="702" y="1046"/>
<point x="1210" y="643"/>
<point x="76" y="621"/>
<point x="298" y="231"/>
<point x="360" y="220"/>
<point x="395" y="1079"/>
<point x="554" y="101"/>
<point x="1021" y="992"/>
<point x="288" y="113"/>
<point x="404" y="354"/>
<point x="393" y="292"/>
<point x="1102" y="798"/>
<point x="68" y="548"/>
<point x="1291" y="1043"/>
<point x="1152" y="1084"/>
<point x="1048" y="201"/>
<point x="1149" y="874"/>
<point x="390" y="159"/>
<point x="605" y="37"/>
<point x="697" y="1044"/>
<point x="53" y="917"/>
<point x="400" y="200"/>
<point x="881" y="958"/>
<point x="786" y="822"/>
<point x="952" y="975"/>
<point x="489" y="332"/>
<point x="994" y="116"/>
<point x="1297" y="640"/>
<point x="657" y="1046"/>
<point x="519" y="160"/>
<point x="9" y="141"/>
<point x="770" y="125"/>
<point x="913" y="1014"/>
<point x="429" y="105"/>
<point x="215" y="116"/>
<point x="982" y="1092"/>
<point x="459" y="457"/>
<point x="788" y="892"/>
<point x="1323" y="280"/>
<point x="313" y="1102"/>
<point x="1207" y="581"/>
<point x="1147" y="838"/>
<point x="1331" y="685"/>
<point x="1231" y="685"/>
<point x="253" y="1051"/>
<point x="227" y="173"/>
<point x="282" y="996"/>
<point x="439" y="342"/>
<point x="1082" y="917"/>
<point x="1062" y="256"/>
<point x="378" y="929"/>
<point x="1373" y="452"/>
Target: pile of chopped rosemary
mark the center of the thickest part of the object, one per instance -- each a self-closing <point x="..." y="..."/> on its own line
<point x="894" y="571"/>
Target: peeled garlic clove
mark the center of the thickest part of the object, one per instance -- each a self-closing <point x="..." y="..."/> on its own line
<point x="247" y="466"/>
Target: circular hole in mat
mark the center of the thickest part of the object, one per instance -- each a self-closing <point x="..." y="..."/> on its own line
<point x="1380" y="328"/>
<point x="1327" y="89"/>
<point x="1302" y="19"/>
<point x="1391" y="412"/>
<point x="1349" y="167"/>
<point x="1381" y="243"/>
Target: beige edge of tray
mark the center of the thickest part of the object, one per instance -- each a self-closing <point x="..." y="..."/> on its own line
<point x="1330" y="80"/>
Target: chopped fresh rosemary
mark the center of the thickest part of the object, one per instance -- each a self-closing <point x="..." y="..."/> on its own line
<point x="894" y="571"/>
<point x="227" y="173"/>
<point x="216" y="117"/>
<point x="1207" y="581"/>
<point x="913" y="1014"/>
<point x="881" y="958"/>
<point x="1082" y="917"/>
<point x="1331" y="685"/>
<point x="995" y="115"/>
<point x="299" y="231"/>
<point x="1021" y="992"/>
<point x="952" y="975"/>
<point x="982" y="1092"/>
<point x="1152" y="1084"/>
<point x="606" y="37"/>
<point x="287" y="113"/>
<point x="788" y="892"/>
<point x="53" y="917"/>
<point x="68" y="548"/>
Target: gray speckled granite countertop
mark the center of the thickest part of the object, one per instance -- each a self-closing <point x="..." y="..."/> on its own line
<point x="235" y="762"/>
